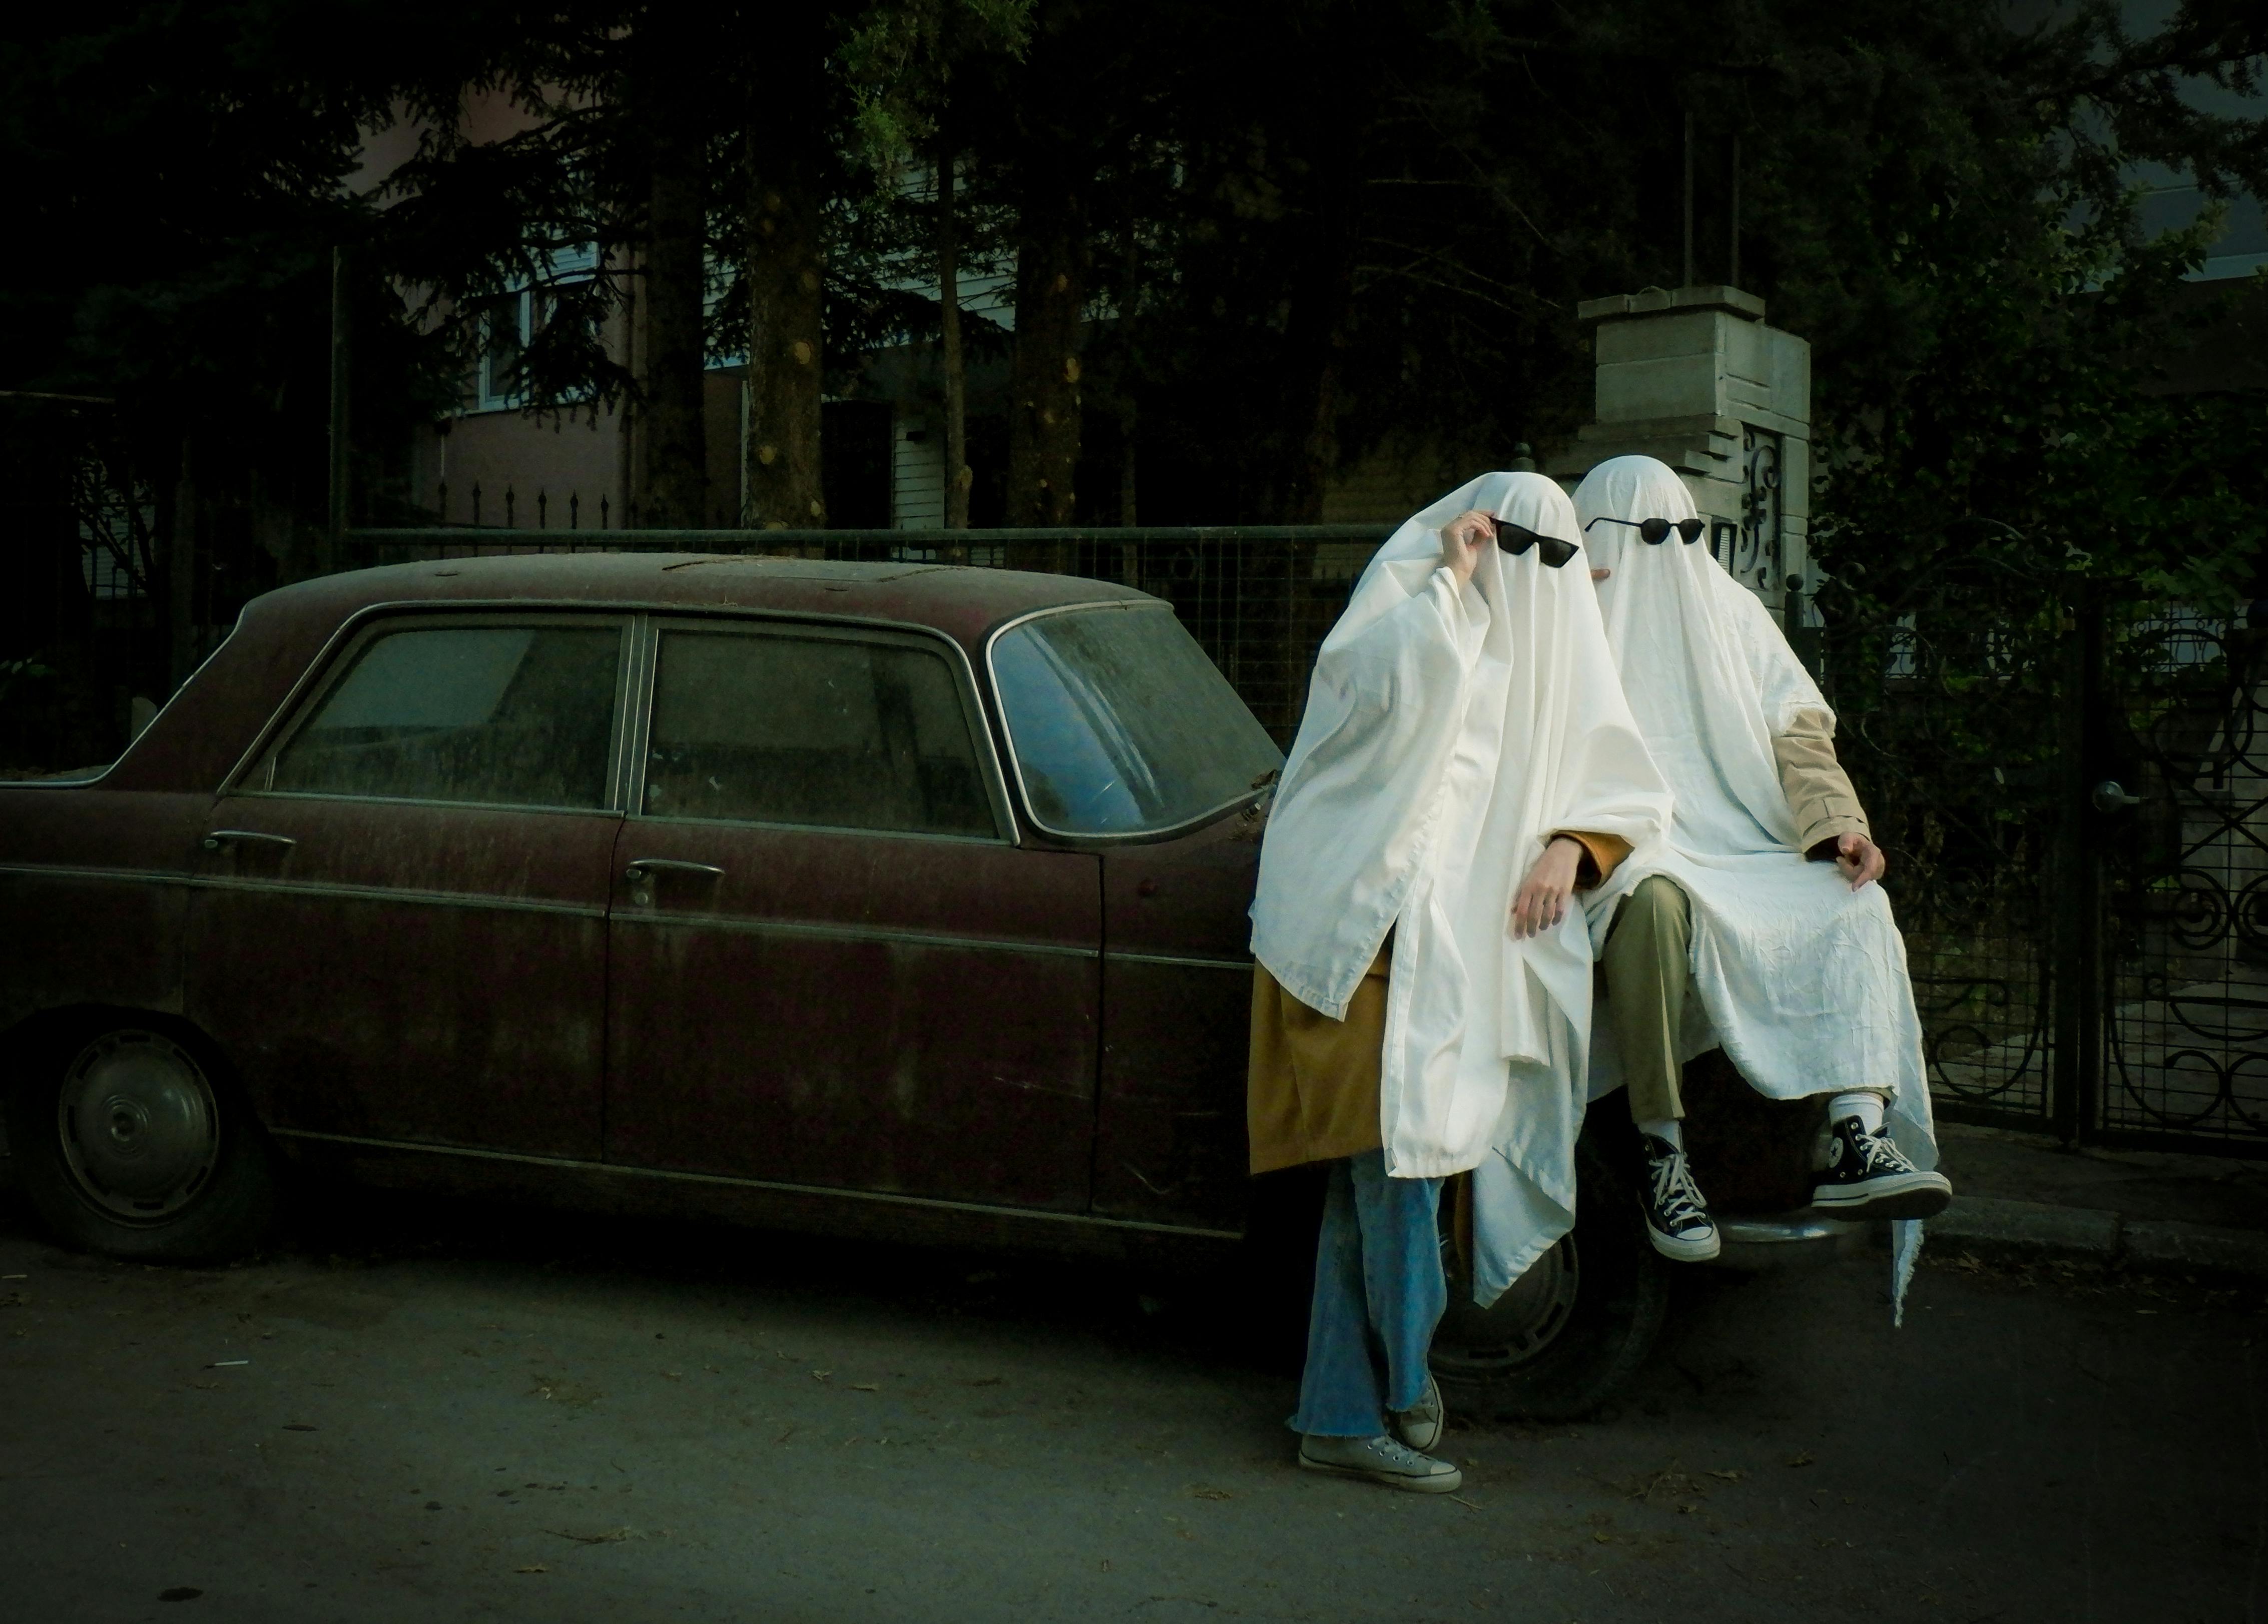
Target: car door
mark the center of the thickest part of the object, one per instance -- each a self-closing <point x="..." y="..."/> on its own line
<point x="1126" y="735"/>
<point x="398" y="930"/>
<point x="1171" y="1146"/>
<point x="830" y="964"/>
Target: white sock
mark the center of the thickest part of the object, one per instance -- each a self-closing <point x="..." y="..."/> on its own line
<point x="1669" y="1128"/>
<point x="1866" y="1104"/>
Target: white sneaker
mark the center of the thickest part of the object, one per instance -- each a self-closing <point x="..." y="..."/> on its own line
<point x="1420" y="1425"/>
<point x="1382" y="1460"/>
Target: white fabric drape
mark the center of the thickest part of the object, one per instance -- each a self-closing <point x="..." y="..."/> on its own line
<point x="1802" y="980"/>
<point x="1448" y="733"/>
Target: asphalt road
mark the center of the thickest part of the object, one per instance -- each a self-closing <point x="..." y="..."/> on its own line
<point x="426" y="1414"/>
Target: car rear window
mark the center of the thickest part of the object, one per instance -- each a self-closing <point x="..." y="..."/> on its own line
<point x="1121" y="726"/>
<point x="834" y="731"/>
<point x="516" y="715"/>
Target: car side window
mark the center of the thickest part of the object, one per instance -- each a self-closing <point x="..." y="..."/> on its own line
<point x="839" y="732"/>
<point x="514" y="716"/>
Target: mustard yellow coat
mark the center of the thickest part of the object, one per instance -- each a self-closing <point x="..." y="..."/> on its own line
<point x="1311" y="1092"/>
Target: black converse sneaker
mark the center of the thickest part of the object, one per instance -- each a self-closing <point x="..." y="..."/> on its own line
<point x="1869" y="1177"/>
<point x="1677" y="1217"/>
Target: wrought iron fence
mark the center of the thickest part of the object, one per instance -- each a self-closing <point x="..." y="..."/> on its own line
<point x="83" y="626"/>
<point x="1946" y="709"/>
<point x="2072" y="791"/>
<point x="2184" y="753"/>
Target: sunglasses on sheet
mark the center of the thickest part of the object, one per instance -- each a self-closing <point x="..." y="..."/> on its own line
<point x="1517" y="539"/>
<point x="1655" y="531"/>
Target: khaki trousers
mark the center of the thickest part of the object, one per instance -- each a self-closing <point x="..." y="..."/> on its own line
<point x="1649" y="974"/>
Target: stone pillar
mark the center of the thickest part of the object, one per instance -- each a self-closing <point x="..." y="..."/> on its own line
<point x="1695" y="377"/>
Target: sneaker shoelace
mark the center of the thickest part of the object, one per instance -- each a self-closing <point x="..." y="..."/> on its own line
<point x="1676" y="1198"/>
<point x="1393" y="1452"/>
<point x="1878" y="1153"/>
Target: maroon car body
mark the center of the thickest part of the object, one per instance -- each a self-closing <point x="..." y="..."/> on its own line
<point x="618" y="949"/>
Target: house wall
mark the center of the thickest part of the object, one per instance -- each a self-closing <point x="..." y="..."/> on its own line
<point x="576" y="454"/>
<point x="917" y="473"/>
<point x="583" y="454"/>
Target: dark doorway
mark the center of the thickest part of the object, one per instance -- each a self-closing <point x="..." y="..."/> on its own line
<point x="854" y="464"/>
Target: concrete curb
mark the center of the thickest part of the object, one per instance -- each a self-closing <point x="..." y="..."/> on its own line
<point x="2029" y="1231"/>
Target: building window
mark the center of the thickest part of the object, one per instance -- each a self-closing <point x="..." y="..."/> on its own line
<point x="509" y="323"/>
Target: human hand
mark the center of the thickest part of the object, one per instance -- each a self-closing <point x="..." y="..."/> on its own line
<point x="1462" y="540"/>
<point x="1600" y="574"/>
<point x="1543" y="899"/>
<point x="1859" y="860"/>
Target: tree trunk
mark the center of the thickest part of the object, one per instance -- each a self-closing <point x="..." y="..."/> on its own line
<point x="786" y="261"/>
<point x="959" y="477"/>
<point x="181" y="575"/>
<point x="342" y="431"/>
<point x="674" y="482"/>
<point x="1043" y="416"/>
<point x="1314" y="346"/>
<point x="1129" y="412"/>
<point x="673" y="470"/>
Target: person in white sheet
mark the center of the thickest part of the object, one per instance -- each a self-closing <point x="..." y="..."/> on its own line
<point x="1757" y="923"/>
<point x="1421" y="1001"/>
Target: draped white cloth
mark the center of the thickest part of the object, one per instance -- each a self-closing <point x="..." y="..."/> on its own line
<point x="1448" y="733"/>
<point x="1802" y="980"/>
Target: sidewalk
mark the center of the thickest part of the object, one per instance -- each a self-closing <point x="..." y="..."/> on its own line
<point x="2023" y="1196"/>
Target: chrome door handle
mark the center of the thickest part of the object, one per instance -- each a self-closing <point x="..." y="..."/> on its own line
<point x="219" y="838"/>
<point x="645" y="866"/>
<point x="2110" y="796"/>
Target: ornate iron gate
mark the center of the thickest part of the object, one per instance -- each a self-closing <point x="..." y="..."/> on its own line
<point x="2179" y="767"/>
<point x="2074" y="795"/>
<point x="1946" y="704"/>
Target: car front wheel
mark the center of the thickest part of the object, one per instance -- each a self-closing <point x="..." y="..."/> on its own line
<point x="1571" y="1331"/>
<point x="130" y="1140"/>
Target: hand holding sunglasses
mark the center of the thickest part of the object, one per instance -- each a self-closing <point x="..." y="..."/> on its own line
<point x="1517" y="539"/>
<point x="1462" y="538"/>
<point x="1655" y="531"/>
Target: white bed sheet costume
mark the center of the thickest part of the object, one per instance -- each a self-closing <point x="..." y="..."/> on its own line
<point x="1448" y="733"/>
<point x="1802" y="980"/>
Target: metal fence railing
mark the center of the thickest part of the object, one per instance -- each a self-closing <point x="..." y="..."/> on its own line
<point x="2072" y="791"/>
<point x="1940" y="723"/>
<point x="2182" y="928"/>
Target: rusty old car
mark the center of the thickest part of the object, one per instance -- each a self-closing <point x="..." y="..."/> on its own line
<point x="888" y="899"/>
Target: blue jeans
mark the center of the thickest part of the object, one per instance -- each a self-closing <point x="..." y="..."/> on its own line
<point x="1379" y="1294"/>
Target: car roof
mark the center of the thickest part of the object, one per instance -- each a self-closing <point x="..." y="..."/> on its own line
<point x="960" y="600"/>
<point x="212" y="720"/>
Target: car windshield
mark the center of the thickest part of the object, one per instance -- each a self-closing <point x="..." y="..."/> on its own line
<point x="1121" y="726"/>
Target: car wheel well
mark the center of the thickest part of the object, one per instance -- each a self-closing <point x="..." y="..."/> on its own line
<point x="36" y="1041"/>
<point x="156" y="1155"/>
<point x="61" y="1021"/>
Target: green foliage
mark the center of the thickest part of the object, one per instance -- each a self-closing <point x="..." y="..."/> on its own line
<point x="900" y="59"/>
<point x="1336" y="224"/>
<point x="17" y="676"/>
<point x="1988" y="318"/>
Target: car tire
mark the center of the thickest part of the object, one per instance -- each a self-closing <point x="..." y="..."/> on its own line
<point x="130" y="1139"/>
<point x="1567" y="1336"/>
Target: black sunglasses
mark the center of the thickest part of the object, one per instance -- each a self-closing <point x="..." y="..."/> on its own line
<point x="1655" y="531"/>
<point x="1517" y="539"/>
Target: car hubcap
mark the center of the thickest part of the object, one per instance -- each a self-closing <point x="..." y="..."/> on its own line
<point x="1477" y="1343"/>
<point x="141" y="1132"/>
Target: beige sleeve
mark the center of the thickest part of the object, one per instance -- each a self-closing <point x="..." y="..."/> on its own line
<point x="1818" y="790"/>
